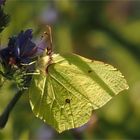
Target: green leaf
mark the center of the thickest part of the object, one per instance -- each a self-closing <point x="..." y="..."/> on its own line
<point x="2" y="79"/>
<point x="4" y="19"/>
<point x="65" y="93"/>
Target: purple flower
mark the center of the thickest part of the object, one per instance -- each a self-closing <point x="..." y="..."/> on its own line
<point x="16" y="57"/>
<point x="20" y="49"/>
<point x="42" y="46"/>
<point x="45" y="45"/>
<point x="2" y="2"/>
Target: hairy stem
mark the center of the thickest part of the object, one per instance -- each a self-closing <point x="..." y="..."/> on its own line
<point x="77" y="135"/>
<point x="5" y="115"/>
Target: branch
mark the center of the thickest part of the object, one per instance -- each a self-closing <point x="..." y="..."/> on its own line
<point x="5" y="115"/>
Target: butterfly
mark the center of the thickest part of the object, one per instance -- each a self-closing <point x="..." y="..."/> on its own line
<point x="69" y="87"/>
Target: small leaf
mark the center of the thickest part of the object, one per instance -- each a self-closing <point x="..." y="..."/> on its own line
<point x="65" y="94"/>
<point x="2" y="79"/>
<point x="4" y="19"/>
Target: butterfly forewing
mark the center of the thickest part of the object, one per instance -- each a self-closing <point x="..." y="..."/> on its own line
<point x="71" y="88"/>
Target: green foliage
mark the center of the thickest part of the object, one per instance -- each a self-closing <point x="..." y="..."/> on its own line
<point x="4" y="19"/>
<point x="88" y="28"/>
<point x="66" y="91"/>
<point x="1" y="80"/>
<point x="1" y="77"/>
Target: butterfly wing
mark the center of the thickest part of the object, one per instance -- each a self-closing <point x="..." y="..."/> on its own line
<point x="73" y="86"/>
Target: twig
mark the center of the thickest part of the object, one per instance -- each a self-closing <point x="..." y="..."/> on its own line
<point x="77" y="135"/>
<point x="5" y="115"/>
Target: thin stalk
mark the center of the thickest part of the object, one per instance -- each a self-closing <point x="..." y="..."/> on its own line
<point x="5" y="115"/>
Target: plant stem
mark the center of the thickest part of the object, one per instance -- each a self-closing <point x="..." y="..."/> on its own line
<point x="77" y="135"/>
<point x="5" y="115"/>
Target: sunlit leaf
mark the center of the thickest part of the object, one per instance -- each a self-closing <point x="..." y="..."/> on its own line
<point x="65" y="93"/>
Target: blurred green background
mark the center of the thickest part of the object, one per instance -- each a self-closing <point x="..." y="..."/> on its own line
<point x="108" y="31"/>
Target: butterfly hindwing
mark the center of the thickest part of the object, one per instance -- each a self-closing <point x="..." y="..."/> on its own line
<point x="65" y="95"/>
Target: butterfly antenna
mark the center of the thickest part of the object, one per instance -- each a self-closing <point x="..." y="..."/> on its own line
<point x="48" y="32"/>
<point x="49" y="47"/>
